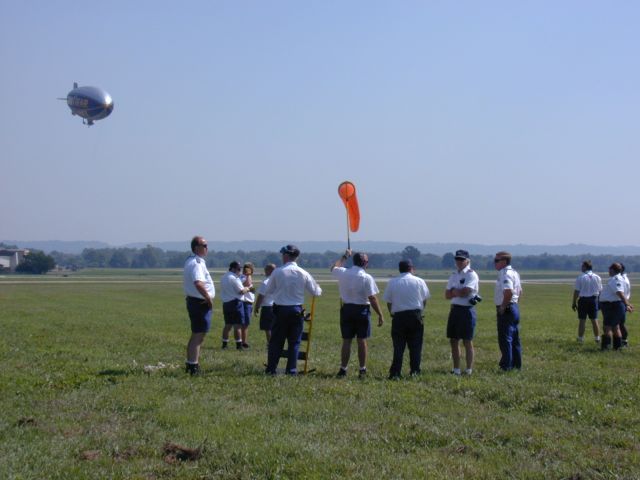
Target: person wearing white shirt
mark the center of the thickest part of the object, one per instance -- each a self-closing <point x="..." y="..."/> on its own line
<point x="462" y="289"/>
<point x="406" y="297"/>
<point x="264" y="303"/>
<point x="199" y="290"/>
<point x="231" y="293"/>
<point x="585" y="300"/>
<point x="613" y="304"/>
<point x="627" y="295"/>
<point x="506" y="295"/>
<point x="358" y="292"/>
<point x="247" y="301"/>
<point x="287" y="286"/>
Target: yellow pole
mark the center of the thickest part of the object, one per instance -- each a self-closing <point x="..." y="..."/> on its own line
<point x="312" y="314"/>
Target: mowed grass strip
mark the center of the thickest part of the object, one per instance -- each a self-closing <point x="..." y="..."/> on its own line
<point x="93" y="386"/>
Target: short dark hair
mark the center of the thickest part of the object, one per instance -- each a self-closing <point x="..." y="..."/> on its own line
<point x="359" y="259"/>
<point x="506" y="256"/>
<point x="616" y="267"/>
<point x="234" y="266"/>
<point x="291" y="250"/>
<point x="587" y="265"/>
<point x="194" y="242"/>
<point x="405" y="266"/>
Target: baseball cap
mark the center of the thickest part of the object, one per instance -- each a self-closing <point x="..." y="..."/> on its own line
<point x="462" y="254"/>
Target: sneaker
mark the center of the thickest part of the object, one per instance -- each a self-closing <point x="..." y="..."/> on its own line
<point x="468" y="371"/>
<point x="456" y="372"/>
<point x="224" y="345"/>
<point x="394" y="376"/>
<point x="245" y="345"/>
<point x="414" y="373"/>
<point x="342" y="372"/>
<point x="193" y="369"/>
<point x="238" y="346"/>
<point x="362" y="373"/>
<point x="580" y="339"/>
<point x="597" y="339"/>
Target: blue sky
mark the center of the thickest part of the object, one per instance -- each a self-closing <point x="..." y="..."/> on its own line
<point x="472" y="122"/>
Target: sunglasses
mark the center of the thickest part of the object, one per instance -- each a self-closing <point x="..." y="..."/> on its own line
<point x="497" y="260"/>
<point x="203" y="245"/>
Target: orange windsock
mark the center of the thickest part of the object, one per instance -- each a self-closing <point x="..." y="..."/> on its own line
<point x="347" y="192"/>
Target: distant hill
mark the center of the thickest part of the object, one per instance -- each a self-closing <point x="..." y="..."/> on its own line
<point x="76" y="247"/>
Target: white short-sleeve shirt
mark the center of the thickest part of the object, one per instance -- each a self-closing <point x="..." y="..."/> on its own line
<point x="355" y="284"/>
<point x="588" y="284"/>
<point x="230" y="287"/>
<point x="195" y="270"/>
<point x="267" y="300"/>
<point x="406" y="292"/>
<point x="508" y="279"/>
<point x="466" y="278"/>
<point x="609" y="292"/>
<point x="288" y="284"/>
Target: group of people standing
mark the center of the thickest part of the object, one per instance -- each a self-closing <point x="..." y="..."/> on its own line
<point x="612" y="299"/>
<point x="281" y="297"/>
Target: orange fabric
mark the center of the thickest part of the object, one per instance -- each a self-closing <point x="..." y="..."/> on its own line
<point x="347" y="192"/>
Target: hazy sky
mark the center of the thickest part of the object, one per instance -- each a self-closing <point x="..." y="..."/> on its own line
<point x="458" y="121"/>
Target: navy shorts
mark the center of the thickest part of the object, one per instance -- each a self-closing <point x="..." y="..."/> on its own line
<point x="588" y="307"/>
<point x="247" y="310"/>
<point x="355" y="321"/>
<point x="266" y="318"/>
<point x="461" y="323"/>
<point x="233" y="312"/>
<point x="199" y="314"/>
<point x="612" y="313"/>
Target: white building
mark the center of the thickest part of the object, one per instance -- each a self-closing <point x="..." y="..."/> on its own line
<point x="10" y="258"/>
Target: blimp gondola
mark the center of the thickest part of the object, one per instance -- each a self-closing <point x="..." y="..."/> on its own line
<point x="90" y="103"/>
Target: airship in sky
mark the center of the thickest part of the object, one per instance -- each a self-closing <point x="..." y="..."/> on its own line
<point x="90" y="103"/>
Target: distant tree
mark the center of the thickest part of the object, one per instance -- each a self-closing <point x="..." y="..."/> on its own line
<point x="36" y="262"/>
<point x="149" y="257"/>
<point x="448" y="261"/>
<point x="411" y="253"/>
<point x="95" y="257"/>
<point x="119" y="259"/>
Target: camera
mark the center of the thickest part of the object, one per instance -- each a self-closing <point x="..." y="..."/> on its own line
<point x="475" y="299"/>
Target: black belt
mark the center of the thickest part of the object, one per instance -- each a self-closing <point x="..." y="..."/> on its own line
<point x="357" y="304"/>
<point x="614" y="301"/>
<point x="453" y="305"/>
<point x="195" y="299"/>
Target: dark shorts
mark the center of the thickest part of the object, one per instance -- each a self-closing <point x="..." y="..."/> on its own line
<point x="266" y="318"/>
<point x="233" y="312"/>
<point x="588" y="307"/>
<point x="355" y="321"/>
<point x="199" y="314"/>
<point x="247" y="310"/>
<point x="612" y="313"/>
<point x="461" y="323"/>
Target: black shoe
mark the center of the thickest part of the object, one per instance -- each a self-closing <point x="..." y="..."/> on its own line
<point x="193" y="368"/>
<point x="245" y="345"/>
<point x="342" y="373"/>
<point x="225" y="345"/>
<point x="394" y="376"/>
<point x="415" y="373"/>
<point x="238" y="346"/>
<point x="362" y="373"/>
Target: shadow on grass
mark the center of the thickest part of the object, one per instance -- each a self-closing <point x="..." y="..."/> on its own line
<point x="111" y="372"/>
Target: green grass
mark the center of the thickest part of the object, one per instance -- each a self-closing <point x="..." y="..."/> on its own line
<point x="73" y="381"/>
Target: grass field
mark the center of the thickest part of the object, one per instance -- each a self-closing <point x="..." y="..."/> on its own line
<point x="78" y="403"/>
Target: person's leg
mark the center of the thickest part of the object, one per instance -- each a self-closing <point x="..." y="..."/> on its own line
<point x="225" y="334"/>
<point x="294" y="335"/>
<point x="362" y="352"/>
<point x="276" y="344"/>
<point x="193" y="347"/>
<point x="581" y="328"/>
<point x="399" y="342"/>
<point x="469" y="354"/>
<point x="345" y="353"/>
<point x="415" y="336"/>
<point x="504" y="342"/>
<point x="455" y="353"/>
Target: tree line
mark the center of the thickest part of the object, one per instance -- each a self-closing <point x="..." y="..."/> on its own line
<point x="153" y="257"/>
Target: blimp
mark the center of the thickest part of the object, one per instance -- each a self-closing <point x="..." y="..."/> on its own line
<point x="90" y="103"/>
